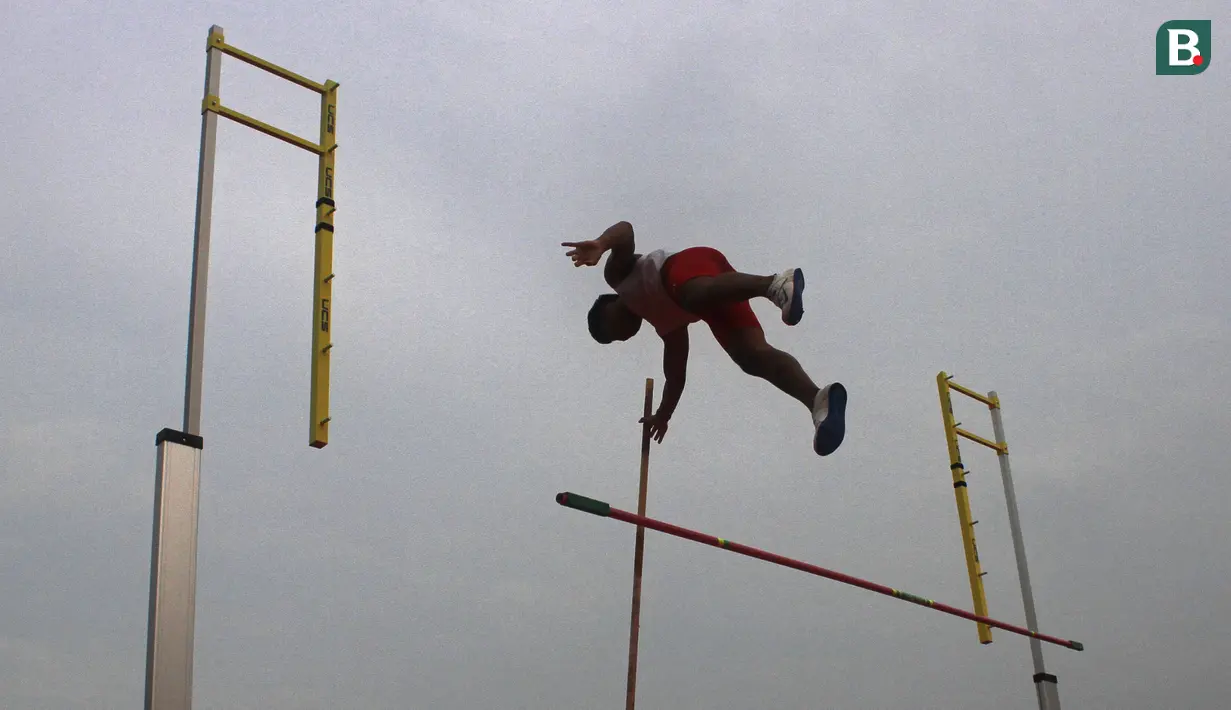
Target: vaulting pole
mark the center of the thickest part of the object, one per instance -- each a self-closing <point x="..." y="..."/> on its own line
<point x="601" y="509"/>
<point x="631" y="700"/>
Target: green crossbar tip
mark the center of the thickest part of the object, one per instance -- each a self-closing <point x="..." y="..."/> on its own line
<point x="584" y="504"/>
<point x="1078" y="646"/>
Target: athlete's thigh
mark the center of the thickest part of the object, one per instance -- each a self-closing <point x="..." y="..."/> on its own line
<point x="736" y="328"/>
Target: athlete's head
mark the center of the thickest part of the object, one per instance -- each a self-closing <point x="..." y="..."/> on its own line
<point x="611" y="320"/>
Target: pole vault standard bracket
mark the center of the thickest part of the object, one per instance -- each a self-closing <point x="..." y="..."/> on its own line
<point x="965" y="519"/>
<point x="605" y="510"/>
<point x="325" y="148"/>
<point x="177" y="480"/>
<point x="1045" y="683"/>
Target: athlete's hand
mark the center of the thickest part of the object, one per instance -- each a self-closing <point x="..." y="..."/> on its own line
<point x="658" y="426"/>
<point x="585" y="253"/>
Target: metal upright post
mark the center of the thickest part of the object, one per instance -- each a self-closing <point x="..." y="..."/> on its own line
<point x="177" y="478"/>
<point x="200" y="240"/>
<point x="173" y="563"/>
<point x="1044" y="682"/>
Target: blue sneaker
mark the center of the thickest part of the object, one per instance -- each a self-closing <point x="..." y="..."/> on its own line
<point x="829" y="417"/>
<point x="787" y="292"/>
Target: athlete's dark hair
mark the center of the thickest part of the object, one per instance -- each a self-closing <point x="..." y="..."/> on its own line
<point x="595" y="317"/>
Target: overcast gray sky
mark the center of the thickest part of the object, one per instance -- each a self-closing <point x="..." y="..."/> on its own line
<point x="1008" y="194"/>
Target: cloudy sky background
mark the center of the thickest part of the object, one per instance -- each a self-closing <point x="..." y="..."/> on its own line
<point x="1007" y="194"/>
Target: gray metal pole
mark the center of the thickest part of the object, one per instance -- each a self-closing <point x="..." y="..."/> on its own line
<point x="177" y="479"/>
<point x="173" y="573"/>
<point x="1045" y="683"/>
<point x="200" y="241"/>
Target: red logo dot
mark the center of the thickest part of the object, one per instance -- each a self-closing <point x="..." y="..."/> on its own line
<point x="1198" y="60"/>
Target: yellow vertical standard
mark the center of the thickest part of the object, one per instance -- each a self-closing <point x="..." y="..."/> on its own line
<point x="322" y="291"/>
<point x="322" y="288"/>
<point x="963" y="508"/>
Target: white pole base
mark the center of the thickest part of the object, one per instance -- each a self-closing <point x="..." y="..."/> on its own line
<point x="173" y="572"/>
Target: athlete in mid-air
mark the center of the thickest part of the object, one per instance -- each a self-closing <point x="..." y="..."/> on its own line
<point x="672" y="290"/>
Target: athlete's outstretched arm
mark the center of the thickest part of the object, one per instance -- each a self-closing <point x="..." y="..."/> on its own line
<point x="618" y="239"/>
<point x="675" y="365"/>
<point x="675" y="370"/>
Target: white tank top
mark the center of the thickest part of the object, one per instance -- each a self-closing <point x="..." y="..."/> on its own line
<point x="644" y="294"/>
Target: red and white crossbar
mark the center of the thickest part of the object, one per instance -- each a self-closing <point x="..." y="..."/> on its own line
<point x="599" y="508"/>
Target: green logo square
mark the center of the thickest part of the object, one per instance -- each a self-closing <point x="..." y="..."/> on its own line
<point x="1182" y="47"/>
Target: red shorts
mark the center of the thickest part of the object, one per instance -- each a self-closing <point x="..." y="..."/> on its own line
<point x="690" y="263"/>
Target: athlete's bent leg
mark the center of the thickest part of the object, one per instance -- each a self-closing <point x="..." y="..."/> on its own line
<point x="701" y="280"/>
<point x="703" y="293"/>
<point x="747" y="347"/>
